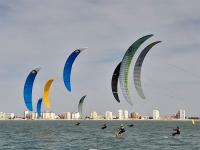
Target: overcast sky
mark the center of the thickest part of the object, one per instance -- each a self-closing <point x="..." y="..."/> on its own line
<point x="43" y="33"/>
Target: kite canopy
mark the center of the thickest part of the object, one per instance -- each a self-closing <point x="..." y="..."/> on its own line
<point x="193" y="122"/>
<point x="138" y="67"/>
<point x="80" y="105"/>
<point x="68" y="67"/>
<point x="114" y="82"/>
<point x="28" y="87"/>
<point x="39" y="104"/>
<point x="125" y="67"/>
<point x="47" y="86"/>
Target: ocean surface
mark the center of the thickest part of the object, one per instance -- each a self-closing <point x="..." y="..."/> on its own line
<point x="65" y="135"/>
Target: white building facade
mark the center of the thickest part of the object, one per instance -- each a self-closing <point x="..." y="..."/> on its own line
<point x="67" y="115"/>
<point x="156" y="114"/>
<point x="181" y="114"/>
<point x="109" y="115"/>
<point x="126" y="114"/>
<point x="93" y="115"/>
<point x="48" y="115"/>
<point x="33" y="116"/>
<point x="75" y="115"/>
<point x="120" y="114"/>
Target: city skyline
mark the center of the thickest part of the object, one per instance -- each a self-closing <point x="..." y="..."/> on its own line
<point x="94" y="115"/>
<point x="44" y="33"/>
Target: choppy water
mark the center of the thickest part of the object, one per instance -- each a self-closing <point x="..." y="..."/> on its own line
<point x="145" y="135"/>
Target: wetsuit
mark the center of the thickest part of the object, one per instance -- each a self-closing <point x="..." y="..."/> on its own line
<point x="78" y="123"/>
<point x="121" y="130"/>
<point x="130" y="125"/>
<point x="178" y="131"/>
<point x="105" y="126"/>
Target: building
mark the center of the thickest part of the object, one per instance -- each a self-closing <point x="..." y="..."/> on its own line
<point x="93" y="115"/>
<point x="125" y="114"/>
<point x="33" y="115"/>
<point x="120" y="114"/>
<point x="2" y="116"/>
<point x="75" y="115"/>
<point x="108" y="115"/>
<point x="181" y="114"/>
<point x="6" y="116"/>
<point x="168" y="117"/>
<point x="156" y="114"/>
<point x="48" y="115"/>
<point x="135" y="115"/>
<point x="67" y="115"/>
<point x="144" y="117"/>
<point x="9" y="116"/>
<point x="27" y="115"/>
<point x="100" y="117"/>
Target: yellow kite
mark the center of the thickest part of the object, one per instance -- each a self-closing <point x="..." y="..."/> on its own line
<point x="46" y="93"/>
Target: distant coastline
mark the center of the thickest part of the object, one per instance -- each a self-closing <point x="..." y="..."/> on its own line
<point x="101" y="120"/>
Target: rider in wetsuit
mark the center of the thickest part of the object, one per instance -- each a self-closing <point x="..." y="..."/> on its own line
<point x="130" y="125"/>
<point x="104" y="126"/>
<point x="77" y="124"/>
<point x="121" y="130"/>
<point x="178" y="131"/>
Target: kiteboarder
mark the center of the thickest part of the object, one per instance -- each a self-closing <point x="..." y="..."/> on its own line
<point x="120" y="130"/>
<point x="104" y="126"/>
<point x="77" y="124"/>
<point x="130" y="125"/>
<point x="178" y="131"/>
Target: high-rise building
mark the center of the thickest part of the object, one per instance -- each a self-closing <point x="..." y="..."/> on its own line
<point x="135" y="115"/>
<point x="93" y="115"/>
<point x="67" y="115"/>
<point x="181" y="114"/>
<point x="75" y="115"/>
<point x="108" y="115"/>
<point x="33" y="115"/>
<point x="120" y="114"/>
<point x="26" y="115"/>
<point x="125" y="114"/>
<point x="156" y="114"/>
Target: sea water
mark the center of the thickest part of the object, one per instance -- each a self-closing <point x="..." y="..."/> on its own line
<point x="65" y="135"/>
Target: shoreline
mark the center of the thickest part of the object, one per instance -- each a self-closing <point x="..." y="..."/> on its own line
<point x="103" y="120"/>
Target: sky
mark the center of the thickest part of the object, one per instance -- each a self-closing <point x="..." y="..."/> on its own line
<point x="37" y="33"/>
